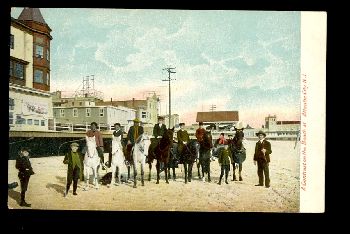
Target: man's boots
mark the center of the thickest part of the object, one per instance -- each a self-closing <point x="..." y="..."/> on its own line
<point x="75" y="186"/>
<point x="226" y="178"/>
<point x="23" y="202"/>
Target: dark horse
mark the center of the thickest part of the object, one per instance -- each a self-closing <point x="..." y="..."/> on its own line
<point x="189" y="155"/>
<point x="238" y="152"/>
<point x="161" y="152"/>
<point x="205" y="154"/>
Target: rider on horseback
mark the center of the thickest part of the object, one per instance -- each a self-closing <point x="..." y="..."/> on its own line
<point x="158" y="131"/>
<point x="183" y="138"/>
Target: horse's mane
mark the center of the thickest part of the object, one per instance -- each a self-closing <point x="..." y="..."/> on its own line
<point x="167" y="138"/>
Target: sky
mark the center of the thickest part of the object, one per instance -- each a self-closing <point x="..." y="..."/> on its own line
<point x="245" y="61"/>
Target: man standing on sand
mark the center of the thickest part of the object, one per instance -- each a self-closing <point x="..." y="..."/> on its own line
<point x="262" y="156"/>
<point x="75" y="168"/>
<point x="99" y="141"/>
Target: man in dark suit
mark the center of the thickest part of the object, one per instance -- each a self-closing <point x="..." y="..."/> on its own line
<point x="183" y="138"/>
<point x="75" y="168"/>
<point x="159" y="129"/>
<point x="262" y="156"/>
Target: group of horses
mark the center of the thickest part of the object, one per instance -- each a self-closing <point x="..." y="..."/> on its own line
<point x="165" y="152"/>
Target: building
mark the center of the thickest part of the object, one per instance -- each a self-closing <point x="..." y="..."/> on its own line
<point x="222" y="120"/>
<point x="146" y="110"/>
<point x="286" y="130"/>
<point x="30" y="103"/>
<point x="174" y="121"/>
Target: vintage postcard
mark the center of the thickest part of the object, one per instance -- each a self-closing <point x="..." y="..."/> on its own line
<point x="167" y="110"/>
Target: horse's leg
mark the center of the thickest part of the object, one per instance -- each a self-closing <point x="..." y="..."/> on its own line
<point x="203" y="168"/>
<point x="208" y="165"/>
<point x="86" y="177"/>
<point x="174" y="175"/>
<point x="240" y="171"/>
<point x="150" y="168"/>
<point x="185" y="169"/>
<point x="190" y="165"/>
<point x="128" y="172"/>
<point x="135" y="173"/>
<point x="169" y="176"/>
<point x="142" y="173"/>
<point x="233" y="171"/>
<point x="158" y="168"/>
<point x="96" y="177"/>
<point x="198" y="166"/>
<point x="113" y="175"/>
<point x="166" y="172"/>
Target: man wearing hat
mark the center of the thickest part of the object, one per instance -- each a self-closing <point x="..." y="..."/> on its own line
<point x="183" y="138"/>
<point x="134" y="132"/>
<point x="99" y="141"/>
<point x="224" y="162"/>
<point x="75" y="168"/>
<point x="262" y="156"/>
<point x="200" y="132"/>
<point x="25" y="171"/>
<point x="159" y="129"/>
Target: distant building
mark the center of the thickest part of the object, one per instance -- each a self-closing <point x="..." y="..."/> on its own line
<point x="174" y="121"/>
<point x="30" y="103"/>
<point x="146" y="110"/>
<point x="79" y="117"/>
<point x="281" y="129"/>
<point x="219" y="119"/>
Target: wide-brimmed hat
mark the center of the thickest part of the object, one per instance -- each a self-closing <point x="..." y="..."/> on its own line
<point x="74" y="144"/>
<point x="160" y="118"/>
<point x="181" y="124"/>
<point x="239" y="125"/>
<point x="260" y="132"/>
<point x="200" y="123"/>
<point x="136" y="120"/>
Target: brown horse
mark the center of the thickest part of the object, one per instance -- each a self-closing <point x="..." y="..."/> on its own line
<point x="238" y="152"/>
<point x="204" y="154"/>
<point x="160" y="150"/>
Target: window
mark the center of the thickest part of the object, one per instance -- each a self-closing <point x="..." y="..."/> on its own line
<point x="62" y="112"/>
<point x="19" y="70"/>
<point x="143" y="114"/>
<point x="47" y="55"/>
<point x="39" y="40"/>
<point x="29" y="121"/>
<point x="48" y="78"/>
<point x="39" y="51"/>
<point x="38" y="76"/>
<point x="88" y="112"/>
<point x="102" y="112"/>
<point x="42" y="122"/>
<point x="20" y="120"/>
<point x="12" y="41"/>
<point x="75" y="112"/>
<point x="36" y="122"/>
<point x="11" y="104"/>
<point x="10" y="118"/>
<point x="11" y="68"/>
<point x="80" y="103"/>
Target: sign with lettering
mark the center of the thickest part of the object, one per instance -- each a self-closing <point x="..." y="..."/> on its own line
<point x="30" y="107"/>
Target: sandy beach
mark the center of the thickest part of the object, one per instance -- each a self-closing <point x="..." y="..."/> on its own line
<point x="46" y="187"/>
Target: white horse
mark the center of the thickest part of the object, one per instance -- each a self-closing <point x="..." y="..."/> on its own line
<point x="139" y="153"/>
<point x="117" y="159"/>
<point x="91" y="161"/>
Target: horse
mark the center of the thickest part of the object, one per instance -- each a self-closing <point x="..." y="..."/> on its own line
<point x="173" y="160"/>
<point x="238" y="152"/>
<point x="117" y="160"/>
<point x="161" y="152"/>
<point x="205" y="155"/>
<point x="139" y="154"/>
<point x="91" y="161"/>
<point x="189" y="155"/>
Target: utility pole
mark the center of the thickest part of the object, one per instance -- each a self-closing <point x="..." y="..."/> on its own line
<point x="169" y="70"/>
<point x="212" y="108"/>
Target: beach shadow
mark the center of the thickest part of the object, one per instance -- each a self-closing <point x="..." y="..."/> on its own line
<point x="15" y="196"/>
<point x="61" y="179"/>
<point x="57" y="187"/>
